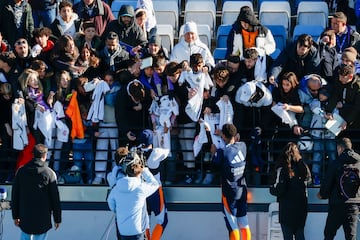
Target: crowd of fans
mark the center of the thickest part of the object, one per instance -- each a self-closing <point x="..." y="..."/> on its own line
<point x="84" y="84"/>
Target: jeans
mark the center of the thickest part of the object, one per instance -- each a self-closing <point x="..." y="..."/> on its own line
<point x="83" y="153"/>
<point x="322" y="146"/>
<point x="44" y="16"/>
<point x="290" y="232"/>
<point x="345" y="215"/>
<point x="26" y="236"/>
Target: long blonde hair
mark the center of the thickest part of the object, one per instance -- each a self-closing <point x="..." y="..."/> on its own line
<point x="24" y="80"/>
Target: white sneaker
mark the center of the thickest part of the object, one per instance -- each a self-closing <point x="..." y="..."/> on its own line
<point x="208" y="178"/>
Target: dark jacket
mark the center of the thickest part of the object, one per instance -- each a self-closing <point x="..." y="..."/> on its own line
<point x="113" y="61"/>
<point x="289" y="61"/>
<point x="351" y="102"/>
<point x="330" y="187"/>
<point x="42" y="4"/>
<point x="131" y="35"/>
<point x="329" y="62"/>
<point x="7" y="22"/>
<point x="57" y="31"/>
<point x="35" y="197"/>
<point x="101" y="15"/>
<point x="127" y="118"/>
<point x="291" y="194"/>
<point x="352" y="38"/>
<point x="180" y="93"/>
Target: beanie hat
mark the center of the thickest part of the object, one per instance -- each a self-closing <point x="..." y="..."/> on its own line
<point x="248" y="16"/>
<point x="155" y="39"/>
<point x="190" y="27"/>
<point x="350" y="53"/>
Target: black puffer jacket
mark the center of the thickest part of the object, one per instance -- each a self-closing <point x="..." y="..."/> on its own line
<point x="330" y="186"/>
<point x="35" y="197"/>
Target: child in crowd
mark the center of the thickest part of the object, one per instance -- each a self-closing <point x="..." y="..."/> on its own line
<point x="88" y="37"/>
<point x="65" y="55"/>
<point x="34" y="101"/>
<point x="61" y="99"/>
<point x="67" y="22"/>
<point x="46" y="77"/>
<point x="197" y="79"/>
<point x="43" y="47"/>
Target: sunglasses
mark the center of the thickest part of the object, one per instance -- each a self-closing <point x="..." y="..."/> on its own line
<point x="20" y="42"/>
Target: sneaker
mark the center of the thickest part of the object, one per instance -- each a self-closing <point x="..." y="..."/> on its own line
<point x="208" y="178"/>
<point x="188" y="179"/>
<point x="316" y="182"/>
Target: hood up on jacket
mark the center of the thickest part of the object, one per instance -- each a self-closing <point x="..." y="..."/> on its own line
<point x="126" y="11"/>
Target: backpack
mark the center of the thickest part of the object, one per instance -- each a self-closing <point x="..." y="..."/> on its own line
<point x="349" y="181"/>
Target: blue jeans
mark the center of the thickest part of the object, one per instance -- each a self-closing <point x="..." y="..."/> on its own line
<point x="26" y="236"/>
<point x="322" y="146"/>
<point x="45" y="16"/>
<point x="83" y="153"/>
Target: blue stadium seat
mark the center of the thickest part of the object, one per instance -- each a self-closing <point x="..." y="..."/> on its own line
<point x="231" y="10"/>
<point x="279" y="34"/>
<point x="313" y="30"/>
<point x="219" y="54"/>
<point x="261" y="1"/>
<point x="276" y="13"/>
<point x="222" y="35"/>
<point x="297" y="2"/>
<point x="312" y="13"/>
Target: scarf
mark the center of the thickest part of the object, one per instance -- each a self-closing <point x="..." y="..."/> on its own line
<point x="110" y="58"/>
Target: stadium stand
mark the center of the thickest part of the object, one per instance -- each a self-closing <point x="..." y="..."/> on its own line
<point x="167" y="12"/>
<point x="231" y="9"/>
<point x="201" y="12"/>
<point x="167" y="35"/>
<point x="276" y="13"/>
<point x="221" y="35"/>
<point x="314" y="31"/>
<point x="312" y="13"/>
